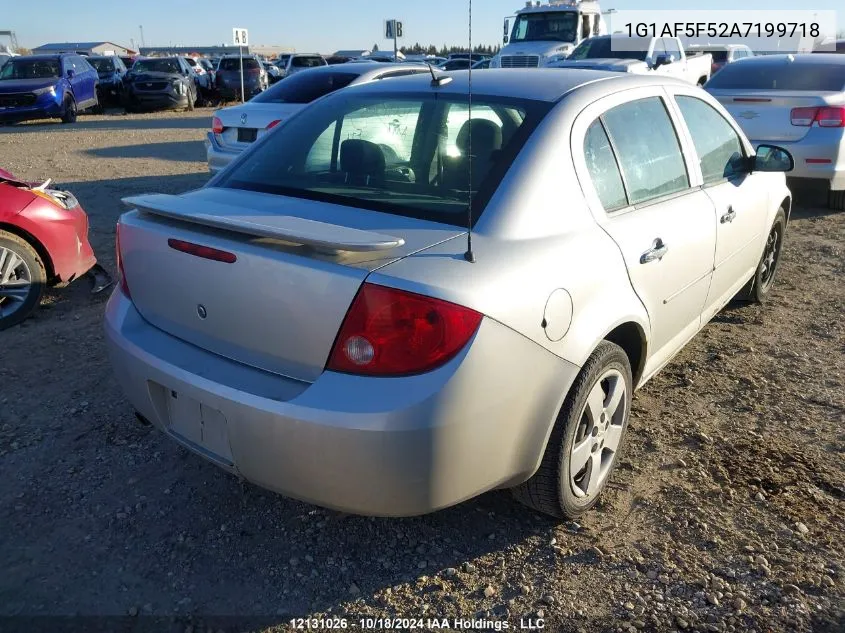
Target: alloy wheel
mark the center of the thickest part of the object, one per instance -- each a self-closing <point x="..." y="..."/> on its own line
<point x="769" y="263"/>
<point x="15" y="282"/>
<point x="596" y="441"/>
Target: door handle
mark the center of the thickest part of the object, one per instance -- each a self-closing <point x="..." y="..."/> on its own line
<point x="729" y="216"/>
<point x="655" y="253"/>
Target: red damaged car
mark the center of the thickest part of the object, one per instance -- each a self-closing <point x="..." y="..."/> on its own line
<point x="43" y="241"/>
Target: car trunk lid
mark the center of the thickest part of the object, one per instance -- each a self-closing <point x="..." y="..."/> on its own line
<point x="245" y="124"/>
<point x="298" y="266"/>
<point x="765" y="115"/>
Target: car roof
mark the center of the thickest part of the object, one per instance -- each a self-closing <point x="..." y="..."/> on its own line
<point x="47" y="56"/>
<point x="816" y="59"/>
<point x="542" y="84"/>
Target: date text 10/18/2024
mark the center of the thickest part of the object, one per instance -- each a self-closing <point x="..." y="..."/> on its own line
<point x="422" y="624"/>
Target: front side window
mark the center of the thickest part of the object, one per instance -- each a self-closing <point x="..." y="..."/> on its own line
<point x="647" y="149"/>
<point x="405" y="154"/>
<point x="718" y="146"/>
<point x="604" y="171"/>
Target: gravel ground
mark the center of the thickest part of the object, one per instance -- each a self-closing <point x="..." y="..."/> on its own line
<point x="726" y="513"/>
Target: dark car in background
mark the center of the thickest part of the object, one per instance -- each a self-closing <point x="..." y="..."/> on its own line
<point x="229" y="77"/>
<point x="127" y="60"/>
<point x="46" y="87"/>
<point x="111" y="71"/>
<point x="160" y="83"/>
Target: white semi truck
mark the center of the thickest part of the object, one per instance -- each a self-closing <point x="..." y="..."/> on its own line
<point x="540" y="34"/>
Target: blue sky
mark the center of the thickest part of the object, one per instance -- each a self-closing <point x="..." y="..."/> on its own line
<point x="306" y="25"/>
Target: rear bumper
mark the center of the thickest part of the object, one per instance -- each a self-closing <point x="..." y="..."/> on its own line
<point x="388" y="446"/>
<point x="218" y="156"/>
<point x="157" y="100"/>
<point x="818" y="145"/>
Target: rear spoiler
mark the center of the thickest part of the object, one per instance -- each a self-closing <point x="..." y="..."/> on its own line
<point x="319" y="235"/>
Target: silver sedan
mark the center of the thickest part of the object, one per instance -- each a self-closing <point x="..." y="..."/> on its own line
<point x="318" y="319"/>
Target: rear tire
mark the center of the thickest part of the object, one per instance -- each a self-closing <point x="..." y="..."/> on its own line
<point x="836" y="200"/>
<point x="555" y="489"/>
<point x="758" y="288"/>
<point x="69" y="110"/>
<point x="191" y="99"/>
<point x="18" y="301"/>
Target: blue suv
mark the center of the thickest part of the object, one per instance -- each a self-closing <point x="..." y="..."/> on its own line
<point x="46" y="87"/>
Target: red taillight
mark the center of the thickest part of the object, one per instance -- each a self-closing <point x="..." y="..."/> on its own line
<point x="216" y="125"/>
<point x="831" y="117"/>
<point x="124" y="286"/>
<point x="206" y="252"/>
<point x="273" y="124"/>
<point x="824" y="116"/>
<point x="389" y="332"/>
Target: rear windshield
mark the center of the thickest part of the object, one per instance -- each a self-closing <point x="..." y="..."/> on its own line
<point x="307" y="62"/>
<point x="304" y="87"/>
<point x="402" y="154"/>
<point x="157" y="66"/>
<point x="102" y="65"/>
<point x="233" y="63"/>
<point x="30" y="69"/>
<point x="602" y="47"/>
<point x="780" y="76"/>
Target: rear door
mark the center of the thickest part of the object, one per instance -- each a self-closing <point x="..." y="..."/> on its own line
<point x="739" y="197"/>
<point x="631" y="164"/>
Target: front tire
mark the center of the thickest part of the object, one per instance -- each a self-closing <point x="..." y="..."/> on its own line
<point x="585" y="443"/>
<point x="69" y="111"/>
<point x="22" y="279"/>
<point x="758" y="288"/>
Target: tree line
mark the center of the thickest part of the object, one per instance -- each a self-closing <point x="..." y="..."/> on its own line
<point x="445" y="50"/>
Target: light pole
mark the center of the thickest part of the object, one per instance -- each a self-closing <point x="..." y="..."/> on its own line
<point x="143" y="43"/>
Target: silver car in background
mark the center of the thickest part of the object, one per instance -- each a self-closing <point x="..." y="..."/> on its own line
<point x="297" y="62"/>
<point x="236" y="128"/>
<point x="797" y="102"/>
<point x="316" y="319"/>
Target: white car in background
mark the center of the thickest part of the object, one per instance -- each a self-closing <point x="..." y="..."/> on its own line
<point x="236" y="128"/>
<point x="796" y="102"/>
<point x="298" y="62"/>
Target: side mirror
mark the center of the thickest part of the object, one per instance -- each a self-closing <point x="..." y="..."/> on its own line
<point x="773" y="158"/>
<point x="663" y="60"/>
<point x="70" y="73"/>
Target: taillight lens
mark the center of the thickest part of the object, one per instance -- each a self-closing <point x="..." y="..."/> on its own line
<point x="389" y="332"/>
<point x="124" y="285"/>
<point x="217" y="125"/>
<point x="831" y="117"/>
<point x="273" y="124"/>
<point x="825" y="116"/>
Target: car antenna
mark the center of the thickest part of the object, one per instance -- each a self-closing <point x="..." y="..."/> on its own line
<point x="436" y="81"/>
<point x="469" y="255"/>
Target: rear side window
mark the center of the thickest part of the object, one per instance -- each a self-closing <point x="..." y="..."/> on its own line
<point x="716" y="143"/>
<point x="308" y="62"/>
<point x="647" y="149"/>
<point x="780" y="76"/>
<point x="304" y="87"/>
<point x="604" y="172"/>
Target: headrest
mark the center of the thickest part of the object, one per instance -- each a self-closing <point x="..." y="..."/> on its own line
<point x="361" y="158"/>
<point x="486" y="137"/>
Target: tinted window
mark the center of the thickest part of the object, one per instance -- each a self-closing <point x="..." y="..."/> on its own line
<point x="307" y="62"/>
<point x="304" y="87"/>
<point x="648" y="149"/>
<point x="716" y="143"/>
<point x="371" y="151"/>
<point x="604" y="172"/>
<point x="780" y="76"/>
<point x="719" y="55"/>
<point x="234" y="63"/>
<point x="156" y="66"/>
<point x="17" y="68"/>
<point x="601" y="47"/>
<point x="102" y="65"/>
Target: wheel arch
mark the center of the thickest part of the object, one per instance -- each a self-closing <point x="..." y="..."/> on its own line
<point x="631" y="337"/>
<point x="30" y="239"/>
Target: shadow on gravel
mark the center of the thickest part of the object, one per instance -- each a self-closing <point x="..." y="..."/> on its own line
<point x="115" y="122"/>
<point x="809" y="199"/>
<point x="175" y="151"/>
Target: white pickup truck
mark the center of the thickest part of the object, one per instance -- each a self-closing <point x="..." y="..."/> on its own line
<point x="664" y="55"/>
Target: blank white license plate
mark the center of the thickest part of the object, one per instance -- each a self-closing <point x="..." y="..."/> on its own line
<point x="201" y="425"/>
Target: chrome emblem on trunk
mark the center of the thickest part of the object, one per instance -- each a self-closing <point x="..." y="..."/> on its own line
<point x="749" y="114"/>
